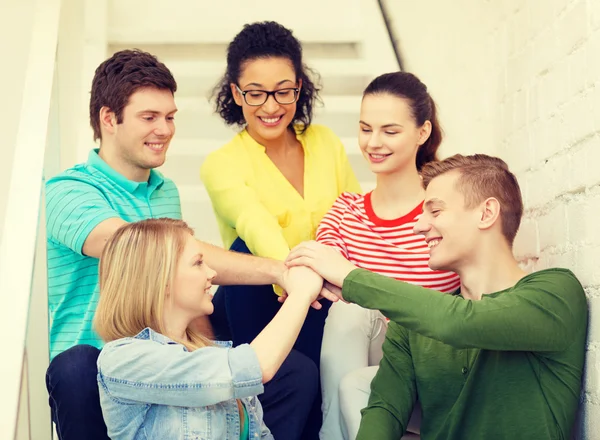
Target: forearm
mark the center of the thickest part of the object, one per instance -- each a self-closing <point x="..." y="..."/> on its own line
<point x="379" y="423"/>
<point x="274" y="343"/>
<point x="234" y="268"/>
<point x="535" y="315"/>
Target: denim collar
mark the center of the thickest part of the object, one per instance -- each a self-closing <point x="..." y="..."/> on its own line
<point x="151" y="335"/>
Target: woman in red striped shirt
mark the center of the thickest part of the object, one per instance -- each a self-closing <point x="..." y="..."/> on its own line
<point x="399" y="133"/>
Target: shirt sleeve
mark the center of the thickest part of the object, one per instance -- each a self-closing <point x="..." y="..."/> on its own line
<point x="393" y="390"/>
<point x="73" y="209"/>
<point x="238" y="205"/>
<point x="544" y="311"/>
<point x="328" y="232"/>
<point x="149" y="372"/>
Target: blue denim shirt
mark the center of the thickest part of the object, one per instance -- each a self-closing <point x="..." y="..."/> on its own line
<point x="153" y="388"/>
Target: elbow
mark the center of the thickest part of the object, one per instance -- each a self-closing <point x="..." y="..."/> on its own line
<point x="268" y="374"/>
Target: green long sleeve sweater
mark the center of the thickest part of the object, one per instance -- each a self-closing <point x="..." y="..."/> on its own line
<point x="507" y="367"/>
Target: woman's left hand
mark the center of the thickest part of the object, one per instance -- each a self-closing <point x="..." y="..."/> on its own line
<point x="324" y="260"/>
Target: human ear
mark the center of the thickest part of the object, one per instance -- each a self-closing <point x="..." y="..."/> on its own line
<point x="108" y="120"/>
<point x="237" y="97"/>
<point x="489" y="213"/>
<point x="424" y="132"/>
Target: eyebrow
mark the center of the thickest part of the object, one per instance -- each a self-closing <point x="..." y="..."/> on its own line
<point x="154" y="112"/>
<point x="198" y="256"/>
<point x="431" y="202"/>
<point x="260" y="85"/>
<point x="384" y="126"/>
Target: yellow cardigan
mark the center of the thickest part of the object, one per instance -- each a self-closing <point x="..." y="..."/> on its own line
<point x="253" y="200"/>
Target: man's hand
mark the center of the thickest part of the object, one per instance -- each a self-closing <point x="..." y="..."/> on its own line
<point x="324" y="260"/>
<point x="329" y="291"/>
<point x="302" y="281"/>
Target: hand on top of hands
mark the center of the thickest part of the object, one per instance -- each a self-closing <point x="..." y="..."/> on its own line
<point x="324" y="260"/>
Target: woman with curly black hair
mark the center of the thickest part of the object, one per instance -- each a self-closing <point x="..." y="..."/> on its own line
<point x="271" y="185"/>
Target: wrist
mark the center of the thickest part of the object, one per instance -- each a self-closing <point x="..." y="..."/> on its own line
<point x="276" y="270"/>
<point x="299" y="300"/>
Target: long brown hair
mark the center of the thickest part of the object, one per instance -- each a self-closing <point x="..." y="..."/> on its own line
<point x="137" y="266"/>
<point x="407" y="86"/>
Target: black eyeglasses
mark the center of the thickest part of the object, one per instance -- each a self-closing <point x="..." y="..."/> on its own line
<point x="259" y="97"/>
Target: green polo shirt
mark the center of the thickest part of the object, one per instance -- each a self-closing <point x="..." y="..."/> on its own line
<point x="506" y="367"/>
<point x="77" y="200"/>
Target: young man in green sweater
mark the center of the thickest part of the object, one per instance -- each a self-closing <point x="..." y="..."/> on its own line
<point x="501" y="358"/>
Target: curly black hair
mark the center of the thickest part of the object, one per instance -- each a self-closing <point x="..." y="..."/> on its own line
<point x="263" y="40"/>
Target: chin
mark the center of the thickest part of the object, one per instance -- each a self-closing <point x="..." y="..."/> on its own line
<point x="437" y="264"/>
<point x="209" y="309"/>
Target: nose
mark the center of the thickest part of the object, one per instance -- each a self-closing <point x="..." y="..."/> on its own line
<point x="164" y="127"/>
<point x="423" y="225"/>
<point x="374" y="141"/>
<point x="270" y="105"/>
<point x="210" y="273"/>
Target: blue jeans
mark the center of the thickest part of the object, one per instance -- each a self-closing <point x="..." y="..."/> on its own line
<point x="242" y="312"/>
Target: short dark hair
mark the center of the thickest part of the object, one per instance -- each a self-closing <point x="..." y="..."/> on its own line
<point x="407" y="86"/>
<point x="483" y="176"/>
<point x="265" y="40"/>
<point x="119" y="77"/>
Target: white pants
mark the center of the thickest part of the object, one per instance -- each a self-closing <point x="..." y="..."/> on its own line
<point x="355" y="388"/>
<point x="352" y="340"/>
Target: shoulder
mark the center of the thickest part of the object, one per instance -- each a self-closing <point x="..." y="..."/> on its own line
<point x="79" y="176"/>
<point x="347" y="204"/>
<point x="116" y="349"/>
<point x="75" y="181"/>
<point x="557" y="276"/>
<point x="350" y="200"/>
<point x="559" y="283"/>
<point x="224" y="156"/>
<point x="316" y="133"/>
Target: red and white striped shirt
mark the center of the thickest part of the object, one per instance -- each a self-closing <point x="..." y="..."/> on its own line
<point x="386" y="247"/>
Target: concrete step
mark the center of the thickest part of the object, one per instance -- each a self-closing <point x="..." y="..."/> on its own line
<point x="336" y="76"/>
<point x="153" y="21"/>
<point x="211" y="51"/>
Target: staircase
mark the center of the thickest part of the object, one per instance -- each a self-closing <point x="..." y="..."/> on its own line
<point x="347" y="52"/>
<point x="60" y="44"/>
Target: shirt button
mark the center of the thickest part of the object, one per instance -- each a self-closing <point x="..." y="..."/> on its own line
<point x="464" y="370"/>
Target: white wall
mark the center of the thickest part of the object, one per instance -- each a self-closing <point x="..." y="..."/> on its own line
<point x="521" y="79"/>
<point x="16" y="29"/>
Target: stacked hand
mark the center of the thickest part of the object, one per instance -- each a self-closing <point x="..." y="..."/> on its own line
<point x="324" y="260"/>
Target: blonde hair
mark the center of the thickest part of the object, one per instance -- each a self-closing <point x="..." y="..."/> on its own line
<point x="136" y="269"/>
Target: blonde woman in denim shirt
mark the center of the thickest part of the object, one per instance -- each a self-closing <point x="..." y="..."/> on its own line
<point x="158" y="377"/>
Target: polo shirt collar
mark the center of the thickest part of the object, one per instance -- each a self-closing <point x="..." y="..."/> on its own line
<point x="154" y="181"/>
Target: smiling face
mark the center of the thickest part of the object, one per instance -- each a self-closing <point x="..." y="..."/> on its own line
<point x="449" y="227"/>
<point x="192" y="282"/>
<point x="389" y="137"/>
<point x="140" y="142"/>
<point x="267" y="122"/>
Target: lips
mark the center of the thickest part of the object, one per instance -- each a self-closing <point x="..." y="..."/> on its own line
<point x="377" y="158"/>
<point x="155" y="146"/>
<point x="271" y="121"/>
<point x="433" y="242"/>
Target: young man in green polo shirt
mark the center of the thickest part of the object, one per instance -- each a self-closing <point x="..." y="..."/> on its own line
<point x="502" y="358"/>
<point x="132" y="111"/>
